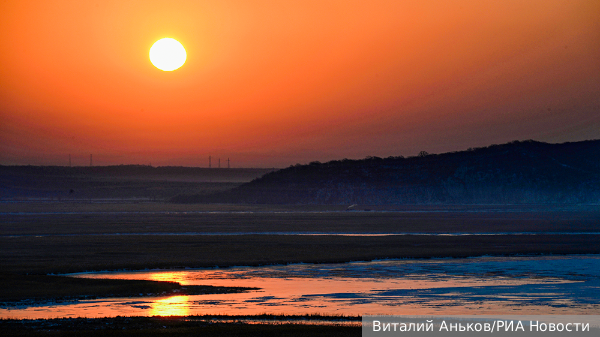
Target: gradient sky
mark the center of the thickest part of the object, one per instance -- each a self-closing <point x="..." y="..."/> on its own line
<point x="274" y="83"/>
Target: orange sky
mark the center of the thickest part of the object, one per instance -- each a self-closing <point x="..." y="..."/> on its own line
<point x="274" y="83"/>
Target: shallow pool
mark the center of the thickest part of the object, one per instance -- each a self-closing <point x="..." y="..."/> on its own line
<point x="483" y="285"/>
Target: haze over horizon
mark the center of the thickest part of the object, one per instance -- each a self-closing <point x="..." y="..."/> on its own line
<point x="271" y="84"/>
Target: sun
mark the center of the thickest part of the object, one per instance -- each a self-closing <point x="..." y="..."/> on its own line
<point x="167" y="54"/>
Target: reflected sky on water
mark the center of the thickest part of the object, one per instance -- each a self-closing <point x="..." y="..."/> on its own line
<point x="484" y="285"/>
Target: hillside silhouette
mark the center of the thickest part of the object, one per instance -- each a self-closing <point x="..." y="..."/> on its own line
<point x="520" y="172"/>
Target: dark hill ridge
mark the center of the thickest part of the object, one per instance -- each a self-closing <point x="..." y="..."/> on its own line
<point x="520" y="172"/>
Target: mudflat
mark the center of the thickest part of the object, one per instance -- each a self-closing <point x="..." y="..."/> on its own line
<point x="63" y="238"/>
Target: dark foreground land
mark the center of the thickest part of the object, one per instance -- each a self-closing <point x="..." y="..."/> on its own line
<point x="18" y="289"/>
<point x="171" y="326"/>
<point x="90" y="253"/>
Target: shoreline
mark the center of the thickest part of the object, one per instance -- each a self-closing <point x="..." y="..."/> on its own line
<point x="59" y="255"/>
<point x="35" y="290"/>
<point x="317" y="263"/>
<point x="172" y="288"/>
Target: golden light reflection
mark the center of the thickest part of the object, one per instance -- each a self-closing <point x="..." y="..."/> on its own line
<point x="171" y="306"/>
<point x="178" y="277"/>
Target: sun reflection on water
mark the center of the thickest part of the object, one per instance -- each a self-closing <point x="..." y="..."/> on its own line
<point x="178" y="277"/>
<point x="171" y="306"/>
<point x="490" y="285"/>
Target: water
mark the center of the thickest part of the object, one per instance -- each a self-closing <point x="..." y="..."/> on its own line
<point x="484" y="285"/>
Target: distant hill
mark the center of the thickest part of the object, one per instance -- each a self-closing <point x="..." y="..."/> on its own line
<point x="520" y="172"/>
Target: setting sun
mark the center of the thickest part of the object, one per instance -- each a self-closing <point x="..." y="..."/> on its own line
<point x="274" y="83"/>
<point x="167" y="54"/>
